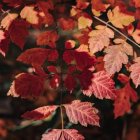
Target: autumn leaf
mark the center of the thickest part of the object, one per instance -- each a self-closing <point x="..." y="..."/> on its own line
<point x="137" y="3"/>
<point x="119" y="19"/>
<point x="67" y="24"/>
<point x="47" y="38"/>
<point x="70" y="83"/>
<point x="135" y="72"/>
<point x="30" y="14"/>
<point x="122" y="101"/>
<point x="134" y="33"/>
<point x="40" y="113"/>
<point x="4" y="42"/>
<point x="102" y="86"/>
<point x="24" y="85"/>
<point x="37" y="56"/>
<point x="100" y="38"/>
<point x="82" y="112"/>
<point x="18" y="32"/>
<point x="75" y="57"/>
<point x="64" y="134"/>
<point x="13" y="3"/>
<point x="84" y="22"/>
<point x="8" y="19"/>
<point x="82" y="4"/>
<point x="117" y="56"/>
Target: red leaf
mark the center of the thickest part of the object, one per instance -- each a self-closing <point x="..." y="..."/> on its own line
<point x="18" y="32"/>
<point x="70" y="83"/>
<point x="85" y="78"/>
<point x="98" y="5"/>
<point x="27" y="85"/>
<point x="64" y="134"/>
<point x="40" y="113"/>
<point x="102" y="86"/>
<point x="123" y="78"/>
<point x="82" y="4"/>
<point x="37" y="56"/>
<point x="4" y="43"/>
<point x="13" y="3"/>
<point x="67" y="24"/>
<point x="47" y="38"/>
<point x="74" y="57"/>
<point x="122" y="101"/>
<point x="82" y="112"/>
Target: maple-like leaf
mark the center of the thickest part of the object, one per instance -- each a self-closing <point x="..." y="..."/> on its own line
<point x="117" y="56"/>
<point x="84" y="22"/>
<point x="135" y="72"/>
<point x="37" y="56"/>
<point x="40" y="113"/>
<point x="29" y="13"/>
<point x="122" y="102"/>
<point x="100" y="38"/>
<point x="18" y="32"/>
<point x="47" y="38"/>
<point x="24" y="86"/>
<point x="7" y="20"/>
<point x="82" y="112"/>
<point x="119" y="19"/>
<point x="102" y="86"/>
<point x="64" y="134"/>
<point x="4" y="43"/>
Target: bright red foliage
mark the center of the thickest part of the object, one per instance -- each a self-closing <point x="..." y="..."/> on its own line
<point x="72" y="54"/>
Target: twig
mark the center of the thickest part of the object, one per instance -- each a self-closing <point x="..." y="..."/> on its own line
<point x="106" y="23"/>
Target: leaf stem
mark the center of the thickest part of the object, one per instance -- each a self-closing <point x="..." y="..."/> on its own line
<point x="107" y="24"/>
<point x="62" y="121"/>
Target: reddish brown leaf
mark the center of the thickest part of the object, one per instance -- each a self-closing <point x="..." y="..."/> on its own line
<point x="122" y="102"/>
<point x="64" y="134"/>
<point x="102" y="86"/>
<point x="98" y="5"/>
<point x="40" y="113"/>
<point x="82" y="4"/>
<point x="70" y="83"/>
<point x="66" y="24"/>
<point x="47" y="38"/>
<point x="27" y="85"/>
<point x="82" y="112"/>
<point x="18" y="32"/>
<point x="75" y="57"/>
<point x="37" y="56"/>
<point x="13" y="3"/>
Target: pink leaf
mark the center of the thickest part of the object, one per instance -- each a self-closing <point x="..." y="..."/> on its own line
<point x="64" y="134"/>
<point x="135" y="73"/>
<point x="40" y="113"/>
<point x="102" y="86"/>
<point x="82" y="112"/>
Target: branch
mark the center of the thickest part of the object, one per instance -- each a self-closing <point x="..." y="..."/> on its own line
<point x="106" y="23"/>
